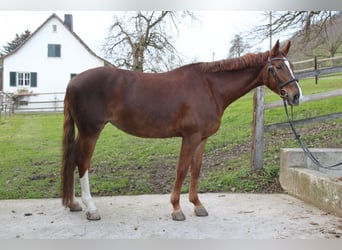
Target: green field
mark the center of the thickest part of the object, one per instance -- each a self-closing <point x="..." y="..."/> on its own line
<point x="30" y="151"/>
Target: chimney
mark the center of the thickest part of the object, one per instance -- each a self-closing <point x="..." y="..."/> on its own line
<point x="68" y="21"/>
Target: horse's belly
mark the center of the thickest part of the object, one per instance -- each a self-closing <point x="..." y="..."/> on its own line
<point x="147" y="127"/>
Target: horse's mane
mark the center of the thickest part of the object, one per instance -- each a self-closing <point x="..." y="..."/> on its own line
<point x="247" y="61"/>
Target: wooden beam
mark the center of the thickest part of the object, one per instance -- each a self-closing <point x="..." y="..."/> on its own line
<point x="257" y="146"/>
<point x="309" y="98"/>
<point x="321" y="71"/>
<point x="321" y="118"/>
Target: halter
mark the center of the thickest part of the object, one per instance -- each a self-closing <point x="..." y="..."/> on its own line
<point x="283" y="93"/>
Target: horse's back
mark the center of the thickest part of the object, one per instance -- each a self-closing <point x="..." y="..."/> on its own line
<point x="143" y="104"/>
<point x="90" y="78"/>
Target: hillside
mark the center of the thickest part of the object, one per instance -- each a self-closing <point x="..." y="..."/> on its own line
<point x="323" y="41"/>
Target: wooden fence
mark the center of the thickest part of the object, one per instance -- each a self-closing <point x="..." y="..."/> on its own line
<point x="6" y="104"/>
<point x="29" y="103"/>
<point x="314" y="97"/>
<point x="315" y="67"/>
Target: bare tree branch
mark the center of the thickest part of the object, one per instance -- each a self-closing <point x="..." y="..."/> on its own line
<point x="145" y="39"/>
<point x="291" y="22"/>
<point x="318" y="34"/>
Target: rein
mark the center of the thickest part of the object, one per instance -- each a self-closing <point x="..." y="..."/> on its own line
<point x="302" y="144"/>
<point x="283" y="95"/>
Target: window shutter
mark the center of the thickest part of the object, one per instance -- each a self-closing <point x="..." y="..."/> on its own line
<point x="58" y="50"/>
<point x="34" y="79"/>
<point x="13" y="79"/>
<point x="50" y="50"/>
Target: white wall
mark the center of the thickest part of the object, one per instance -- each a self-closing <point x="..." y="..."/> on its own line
<point x="53" y="73"/>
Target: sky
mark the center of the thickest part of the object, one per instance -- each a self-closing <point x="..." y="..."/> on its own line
<point x="207" y="39"/>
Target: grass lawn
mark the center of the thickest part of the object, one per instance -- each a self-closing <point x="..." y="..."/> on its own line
<point x="30" y="151"/>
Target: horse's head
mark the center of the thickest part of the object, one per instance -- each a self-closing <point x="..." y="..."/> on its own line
<point x="279" y="75"/>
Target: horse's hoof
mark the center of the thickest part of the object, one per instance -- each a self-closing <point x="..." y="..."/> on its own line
<point x="93" y="215"/>
<point x="75" y="207"/>
<point x="201" y="211"/>
<point x="178" y="215"/>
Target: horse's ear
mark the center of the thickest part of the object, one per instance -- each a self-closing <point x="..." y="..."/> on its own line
<point x="286" y="49"/>
<point x="275" y="49"/>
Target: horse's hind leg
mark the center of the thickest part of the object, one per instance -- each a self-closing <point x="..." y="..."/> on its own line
<point x="92" y="212"/>
<point x="195" y="174"/>
<point x="85" y="149"/>
<point x="75" y="205"/>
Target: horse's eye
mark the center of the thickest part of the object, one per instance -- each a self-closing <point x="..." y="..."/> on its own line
<point x="279" y="67"/>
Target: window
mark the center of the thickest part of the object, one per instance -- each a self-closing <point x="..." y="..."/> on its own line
<point x="23" y="79"/>
<point x="54" y="28"/>
<point x="54" y="50"/>
<point x="72" y="75"/>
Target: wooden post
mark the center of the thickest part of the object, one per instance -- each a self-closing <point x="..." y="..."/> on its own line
<point x="315" y="68"/>
<point x="257" y="147"/>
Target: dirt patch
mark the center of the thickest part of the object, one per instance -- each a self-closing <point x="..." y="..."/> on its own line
<point x="159" y="176"/>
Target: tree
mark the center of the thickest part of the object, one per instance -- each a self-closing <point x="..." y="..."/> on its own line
<point x="15" y="43"/>
<point x="295" y="21"/>
<point x="238" y="46"/>
<point x="322" y="38"/>
<point x="142" y="41"/>
<point x="331" y="39"/>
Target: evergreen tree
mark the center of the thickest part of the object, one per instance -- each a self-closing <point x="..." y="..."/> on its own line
<point x="15" y="43"/>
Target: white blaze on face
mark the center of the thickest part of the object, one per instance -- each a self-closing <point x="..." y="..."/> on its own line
<point x="287" y="63"/>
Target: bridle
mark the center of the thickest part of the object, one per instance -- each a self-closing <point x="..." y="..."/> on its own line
<point x="281" y="85"/>
<point x="283" y="95"/>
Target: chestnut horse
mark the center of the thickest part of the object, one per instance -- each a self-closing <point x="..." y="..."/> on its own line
<point x="187" y="102"/>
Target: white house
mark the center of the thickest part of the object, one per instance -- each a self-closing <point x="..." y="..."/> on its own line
<point x="38" y="71"/>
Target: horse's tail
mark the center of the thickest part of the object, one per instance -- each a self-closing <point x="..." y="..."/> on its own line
<point x="68" y="161"/>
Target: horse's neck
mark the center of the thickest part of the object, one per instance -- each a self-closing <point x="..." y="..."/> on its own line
<point x="228" y="86"/>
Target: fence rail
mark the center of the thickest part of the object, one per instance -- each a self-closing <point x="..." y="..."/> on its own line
<point x="44" y="102"/>
<point x="314" y="97"/>
<point x="315" y="63"/>
<point x="321" y="118"/>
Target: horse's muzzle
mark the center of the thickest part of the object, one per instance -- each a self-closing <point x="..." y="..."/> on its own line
<point x="294" y="100"/>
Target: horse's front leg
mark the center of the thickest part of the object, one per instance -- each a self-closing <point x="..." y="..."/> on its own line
<point x="195" y="174"/>
<point x="189" y="145"/>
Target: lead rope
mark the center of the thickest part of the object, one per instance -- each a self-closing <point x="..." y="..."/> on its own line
<point x="302" y="144"/>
